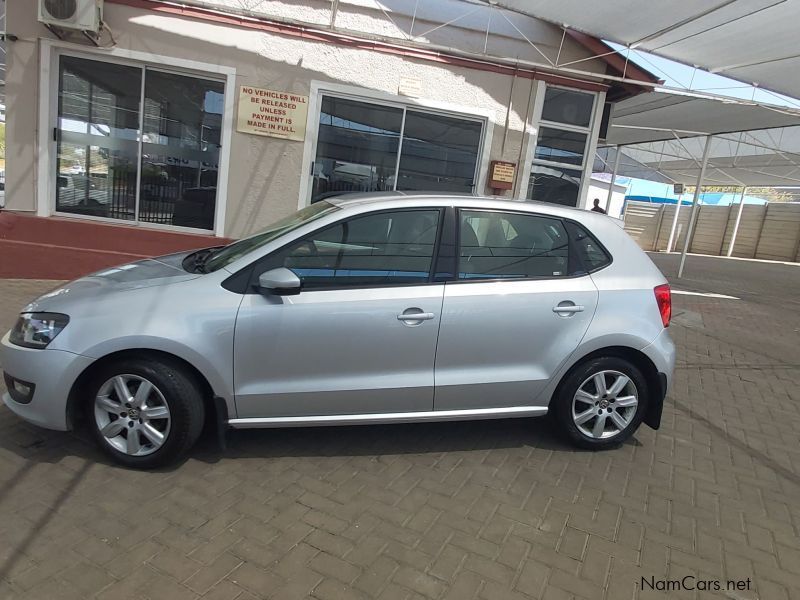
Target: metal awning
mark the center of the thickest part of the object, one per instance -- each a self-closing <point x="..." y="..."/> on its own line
<point x="661" y="137"/>
<point x="655" y="116"/>
<point x="754" y="41"/>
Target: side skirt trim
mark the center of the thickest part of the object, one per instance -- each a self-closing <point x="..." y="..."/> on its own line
<point x="402" y="417"/>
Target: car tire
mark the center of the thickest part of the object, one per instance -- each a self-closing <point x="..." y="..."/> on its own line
<point x="596" y="419"/>
<point x="144" y="427"/>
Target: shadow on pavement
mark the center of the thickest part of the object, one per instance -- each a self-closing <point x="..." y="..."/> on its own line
<point x="358" y="440"/>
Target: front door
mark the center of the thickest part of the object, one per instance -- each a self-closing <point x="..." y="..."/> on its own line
<point x="516" y="312"/>
<point x="360" y="338"/>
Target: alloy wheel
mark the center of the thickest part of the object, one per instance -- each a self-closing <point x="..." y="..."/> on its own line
<point x="132" y="415"/>
<point x="605" y="404"/>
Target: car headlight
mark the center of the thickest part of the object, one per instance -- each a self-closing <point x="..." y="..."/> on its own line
<point x="37" y="329"/>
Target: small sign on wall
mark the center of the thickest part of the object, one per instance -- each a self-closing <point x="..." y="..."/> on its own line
<point x="272" y="113"/>
<point x="501" y="175"/>
<point x="410" y="86"/>
<point x="677" y="188"/>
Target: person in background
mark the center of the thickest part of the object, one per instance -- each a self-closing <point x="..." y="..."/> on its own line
<point x="596" y="207"/>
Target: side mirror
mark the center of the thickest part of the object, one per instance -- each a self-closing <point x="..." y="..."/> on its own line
<point x="279" y="282"/>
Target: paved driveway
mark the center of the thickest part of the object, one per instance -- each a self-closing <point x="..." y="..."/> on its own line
<point x="497" y="509"/>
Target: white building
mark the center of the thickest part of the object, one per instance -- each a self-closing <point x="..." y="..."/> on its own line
<point x="216" y="118"/>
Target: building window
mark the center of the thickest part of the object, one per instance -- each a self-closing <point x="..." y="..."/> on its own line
<point x="559" y="159"/>
<point x="137" y="144"/>
<point x="365" y="147"/>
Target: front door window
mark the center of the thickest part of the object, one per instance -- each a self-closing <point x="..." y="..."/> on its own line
<point x="385" y="248"/>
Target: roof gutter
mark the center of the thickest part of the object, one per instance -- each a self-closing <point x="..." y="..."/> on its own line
<point x="428" y="52"/>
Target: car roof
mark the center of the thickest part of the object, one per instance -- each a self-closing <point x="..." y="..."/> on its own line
<point x="395" y="199"/>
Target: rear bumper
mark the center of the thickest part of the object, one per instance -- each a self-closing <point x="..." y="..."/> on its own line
<point x="51" y="373"/>
<point x="662" y="352"/>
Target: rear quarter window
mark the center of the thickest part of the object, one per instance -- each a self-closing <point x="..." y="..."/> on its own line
<point x="590" y="252"/>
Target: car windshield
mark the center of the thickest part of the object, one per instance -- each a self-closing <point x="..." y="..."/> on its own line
<point x="228" y="254"/>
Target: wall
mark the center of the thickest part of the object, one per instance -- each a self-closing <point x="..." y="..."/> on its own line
<point x="402" y="20"/>
<point x="770" y="232"/>
<point x="642" y="222"/>
<point x="264" y="178"/>
<point x="749" y="230"/>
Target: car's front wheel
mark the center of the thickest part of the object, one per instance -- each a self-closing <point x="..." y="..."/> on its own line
<point x="144" y="413"/>
<point x="601" y="402"/>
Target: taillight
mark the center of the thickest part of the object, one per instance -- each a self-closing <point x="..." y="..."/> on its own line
<point x="664" y="301"/>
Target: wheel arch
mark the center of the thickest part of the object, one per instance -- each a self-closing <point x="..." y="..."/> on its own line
<point x="81" y="383"/>
<point x="656" y="383"/>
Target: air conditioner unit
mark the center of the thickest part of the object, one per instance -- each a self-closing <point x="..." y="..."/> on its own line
<point x="85" y="15"/>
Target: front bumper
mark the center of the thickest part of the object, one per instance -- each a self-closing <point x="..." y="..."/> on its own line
<point x="52" y="372"/>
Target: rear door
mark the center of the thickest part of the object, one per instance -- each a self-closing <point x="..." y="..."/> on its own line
<point x="518" y="307"/>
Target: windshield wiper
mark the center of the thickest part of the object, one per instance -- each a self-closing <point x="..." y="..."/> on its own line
<point x="196" y="261"/>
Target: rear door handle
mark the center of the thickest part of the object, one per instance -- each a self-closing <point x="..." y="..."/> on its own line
<point x="420" y="316"/>
<point x="575" y="308"/>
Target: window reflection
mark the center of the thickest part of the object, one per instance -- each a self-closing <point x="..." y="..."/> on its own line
<point x="439" y="153"/>
<point x="566" y="106"/>
<point x="180" y="150"/>
<point x="358" y="145"/>
<point x="99" y="164"/>
<point x="98" y="132"/>
<point x="561" y="146"/>
<point x="356" y="148"/>
<point x="554" y="184"/>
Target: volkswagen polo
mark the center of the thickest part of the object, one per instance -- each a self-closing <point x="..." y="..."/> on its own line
<point x="356" y="310"/>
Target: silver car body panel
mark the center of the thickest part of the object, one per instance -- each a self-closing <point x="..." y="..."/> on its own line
<point x="289" y="359"/>
<point x="53" y="372"/>
<point x="360" y="359"/>
<point x="501" y="342"/>
<point x="149" y="305"/>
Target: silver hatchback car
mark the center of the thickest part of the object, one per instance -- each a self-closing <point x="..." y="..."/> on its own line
<point x="356" y="310"/>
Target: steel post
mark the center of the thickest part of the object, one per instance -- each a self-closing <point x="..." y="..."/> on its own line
<point x="695" y="202"/>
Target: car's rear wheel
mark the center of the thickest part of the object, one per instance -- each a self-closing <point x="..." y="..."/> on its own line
<point x="601" y="402"/>
<point x="144" y="413"/>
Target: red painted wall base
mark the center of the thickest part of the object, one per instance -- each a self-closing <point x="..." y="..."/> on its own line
<point x="62" y="248"/>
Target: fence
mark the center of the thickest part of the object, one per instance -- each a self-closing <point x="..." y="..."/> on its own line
<point x="771" y="231"/>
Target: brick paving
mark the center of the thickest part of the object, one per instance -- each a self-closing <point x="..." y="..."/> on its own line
<point x="489" y="510"/>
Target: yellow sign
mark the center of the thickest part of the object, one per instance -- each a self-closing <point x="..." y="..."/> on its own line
<point x="503" y="172"/>
<point x="276" y="114"/>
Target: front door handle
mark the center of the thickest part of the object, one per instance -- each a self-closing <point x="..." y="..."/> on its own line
<point x="568" y="309"/>
<point x="417" y="316"/>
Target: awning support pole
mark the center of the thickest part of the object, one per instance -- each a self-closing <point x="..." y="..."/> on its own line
<point x="613" y="178"/>
<point x="738" y="220"/>
<point x="674" y="223"/>
<point x="695" y="203"/>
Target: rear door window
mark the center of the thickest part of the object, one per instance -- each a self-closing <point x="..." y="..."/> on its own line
<point x="590" y="252"/>
<point x="505" y="245"/>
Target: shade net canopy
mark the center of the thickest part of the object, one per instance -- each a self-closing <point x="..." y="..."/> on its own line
<point x="754" y="41"/>
<point x="661" y="137"/>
